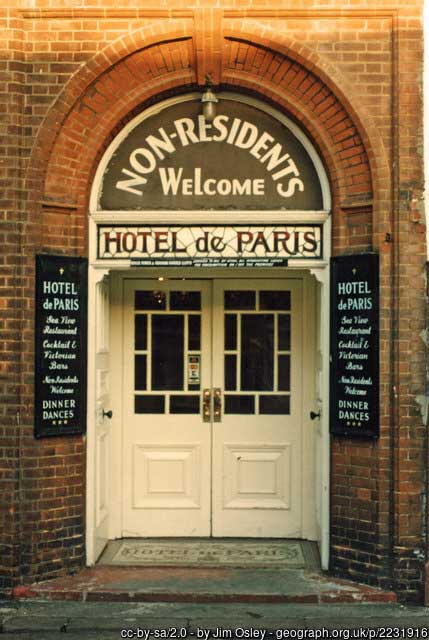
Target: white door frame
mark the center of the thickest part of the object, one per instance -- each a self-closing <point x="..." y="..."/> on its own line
<point x="299" y="521"/>
<point x="320" y="469"/>
<point x="319" y="269"/>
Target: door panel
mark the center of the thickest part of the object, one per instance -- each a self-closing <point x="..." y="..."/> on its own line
<point x="230" y="465"/>
<point x="166" y="477"/>
<point x="102" y="422"/>
<point x="257" y="449"/>
<point x="256" y="477"/>
<point x="167" y="354"/>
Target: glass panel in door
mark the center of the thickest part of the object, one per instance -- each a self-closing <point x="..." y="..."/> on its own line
<point x="167" y="351"/>
<point x="166" y="460"/>
<point x="257" y="356"/>
<point x="257" y="443"/>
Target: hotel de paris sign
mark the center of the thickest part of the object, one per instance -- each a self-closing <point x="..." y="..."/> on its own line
<point x="175" y="160"/>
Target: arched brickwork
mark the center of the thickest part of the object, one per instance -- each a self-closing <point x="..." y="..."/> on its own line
<point x="116" y="81"/>
<point x="311" y="65"/>
<point x="155" y="62"/>
<point x="106" y="59"/>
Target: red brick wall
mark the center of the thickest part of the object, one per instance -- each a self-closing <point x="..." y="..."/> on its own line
<point x="350" y="73"/>
<point x="11" y="282"/>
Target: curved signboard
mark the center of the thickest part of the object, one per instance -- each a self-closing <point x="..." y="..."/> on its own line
<point x="175" y="160"/>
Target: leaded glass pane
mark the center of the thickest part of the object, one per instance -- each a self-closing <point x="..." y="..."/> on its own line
<point x="257" y="357"/>
<point x="140" y="333"/>
<point x="230" y="332"/>
<point x="185" y="300"/>
<point x="230" y="372"/>
<point x="167" y="352"/>
<point x="274" y="300"/>
<point x="194" y="332"/>
<point x="274" y="405"/>
<point x="150" y="300"/>
<point x="283" y="373"/>
<point x="239" y="404"/>
<point x="240" y="300"/>
<point x="140" y="373"/>
<point x="149" y="404"/>
<point x="284" y="332"/>
<point x="184" y="404"/>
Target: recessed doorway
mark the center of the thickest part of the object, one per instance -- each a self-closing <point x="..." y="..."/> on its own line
<point x="212" y="408"/>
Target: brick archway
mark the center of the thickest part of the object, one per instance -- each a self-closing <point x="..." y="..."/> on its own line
<point x="154" y="63"/>
<point x="151" y="64"/>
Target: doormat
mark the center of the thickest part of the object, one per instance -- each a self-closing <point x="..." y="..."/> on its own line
<point x="292" y="554"/>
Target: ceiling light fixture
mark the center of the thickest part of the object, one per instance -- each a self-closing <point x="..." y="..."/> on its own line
<point x="208" y="100"/>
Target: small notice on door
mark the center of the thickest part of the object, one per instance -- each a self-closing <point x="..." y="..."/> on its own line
<point x="194" y="369"/>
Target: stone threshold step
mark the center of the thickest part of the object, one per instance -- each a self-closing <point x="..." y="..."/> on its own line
<point x="189" y="584"/>
<point x="360" y="596"/>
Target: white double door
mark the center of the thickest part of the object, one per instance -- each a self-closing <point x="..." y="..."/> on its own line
<point x="212" y="408"/>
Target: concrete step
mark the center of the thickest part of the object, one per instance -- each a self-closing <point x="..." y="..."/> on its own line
<point x="203" y="585"/>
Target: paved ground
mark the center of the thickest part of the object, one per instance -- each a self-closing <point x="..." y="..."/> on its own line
<point x="42" y="620"/>
<point x="253" y="577"/>
<point x="206" y="584"/>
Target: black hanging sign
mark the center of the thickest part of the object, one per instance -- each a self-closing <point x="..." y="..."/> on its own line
<point x="354" y="401"/>
<point x="60" y="349"/>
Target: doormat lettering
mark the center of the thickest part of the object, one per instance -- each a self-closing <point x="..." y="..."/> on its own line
<point x="282" y="554"/>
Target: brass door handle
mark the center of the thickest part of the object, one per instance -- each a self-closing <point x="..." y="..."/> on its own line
<point x="217" y="404"/>
<point x="207" y="402"/>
